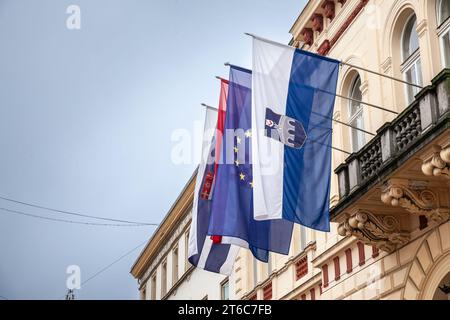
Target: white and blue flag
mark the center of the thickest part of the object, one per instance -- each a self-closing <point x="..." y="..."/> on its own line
<point x="292" y="108"/>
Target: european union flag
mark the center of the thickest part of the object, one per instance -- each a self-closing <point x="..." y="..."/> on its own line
<point x="232" y="200"/>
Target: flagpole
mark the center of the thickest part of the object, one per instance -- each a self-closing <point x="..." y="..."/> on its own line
<point x="342" y="63"/>
<point x="337" y="121"/>
<point x="227" y="64"/>
<point x="334" y="148"/>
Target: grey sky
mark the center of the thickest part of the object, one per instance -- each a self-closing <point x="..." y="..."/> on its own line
<point x="86" y="118"/>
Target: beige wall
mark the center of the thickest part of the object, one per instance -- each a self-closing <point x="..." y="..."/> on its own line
<point x="372" y="41"/>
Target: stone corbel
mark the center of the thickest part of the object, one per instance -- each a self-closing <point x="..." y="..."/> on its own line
<point x="438" y="164"/>
<point x="415" y="198"/>
<point x="381" y="231"/>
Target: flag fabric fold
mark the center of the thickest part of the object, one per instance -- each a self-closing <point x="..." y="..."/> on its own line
<point x="203" y="251"/>
<point x="292" y="110"/>
<point x="232" y="201"/>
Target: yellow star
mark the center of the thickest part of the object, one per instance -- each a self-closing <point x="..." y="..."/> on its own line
<point x="238" y="140"/>
<point x="237" y="163"/>
<point x="242" y="176"/>
<point x="251" y="184"/>
<point x="236" y="149"/>
<point x="248" y="133"/>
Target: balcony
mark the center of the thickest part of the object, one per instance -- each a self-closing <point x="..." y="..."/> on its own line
<point x="399" y="183"/>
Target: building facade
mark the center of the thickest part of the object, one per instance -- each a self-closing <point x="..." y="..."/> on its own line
<point x="390" y="199"/>
<point x="162" y="268"/>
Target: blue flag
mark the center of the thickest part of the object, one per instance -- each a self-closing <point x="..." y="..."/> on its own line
<point x="293" y="100"/>
<point x="232" y="201"/>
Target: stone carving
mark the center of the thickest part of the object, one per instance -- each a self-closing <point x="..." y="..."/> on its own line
<point x="329" y="8"/>
<point x="382" y="232"/>
<point x="418" y="201"/>
<point x="438" y="165"/>
<point x="317" y="22"/>
<point x="371" y="160"/>
<point x="308" y="36"/>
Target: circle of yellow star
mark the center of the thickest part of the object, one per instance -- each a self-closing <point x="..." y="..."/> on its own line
<point x="248" y="133"/>
<point x="251" y="184"/>
<point x="242" y="176"/>
<point x="236" y="149"/>
<point x="237" y="163"/>
<point x="238" y="140"/>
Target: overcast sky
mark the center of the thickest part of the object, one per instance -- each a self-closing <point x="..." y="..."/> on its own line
<point x="86" y="119"/>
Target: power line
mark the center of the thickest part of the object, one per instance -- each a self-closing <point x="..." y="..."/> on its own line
<point x="112" y="263"/>
<point x="76" y="214"/>
<point x="72" y="221"/>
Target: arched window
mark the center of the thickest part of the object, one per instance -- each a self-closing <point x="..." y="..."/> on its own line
<point x="443" y="13"/>
<point x="411" y="66"/>
<point x="355" y="115"/>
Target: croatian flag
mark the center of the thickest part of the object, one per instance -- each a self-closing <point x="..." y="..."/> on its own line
<point x="232" y="201"/>
<point x="292" y="110"/>
<point x="203" y="252"/>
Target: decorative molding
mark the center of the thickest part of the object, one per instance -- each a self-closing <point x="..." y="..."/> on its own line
<point x="330" y="9"/>
<point x="364" y="88"/>
<point x="386" y="65"/>
<point x="324" y="48"/>
<point x="308" y="36"/>
<point x="417" y="200"/>
<point x="383" y="232"/>
<point x="317" y="22"/>
<point x="330" y="43"/>
<point x="422" y="27"/>
<point x="438" y="164"/>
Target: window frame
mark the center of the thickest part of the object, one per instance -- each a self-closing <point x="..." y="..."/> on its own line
<point x="223" y="284"/>
<point x="164" y="278"/>
<point x="153" y="282"/>
<point x="413" y="61"/>
<point x="175" y="264"/>
<point x="443" y="29"/>
<point x="358" y="114"/>
<point x="439" y="20"/>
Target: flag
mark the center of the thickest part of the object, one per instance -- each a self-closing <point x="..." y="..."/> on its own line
<point x="292" y="110"/>
<point x="232" y="200"/>
<point x="220" y="130"/>
<point x="203" y="252"/>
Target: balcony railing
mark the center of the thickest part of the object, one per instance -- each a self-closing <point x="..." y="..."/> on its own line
<point x="394" y="143"/>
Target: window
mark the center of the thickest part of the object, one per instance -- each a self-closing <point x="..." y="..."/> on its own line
<point x="349" y="260"/>
<point x="361" y="253"/>
<point x="443" y="11"/>
<point x="444" y="30"/>
<point x="301" y="268"/>
<point x="325" y="275"/>
<point x="224" y="290"/>
<point x="337" y="269"/>
<point x="313" y="294"/>
<point x="253" y="297"/>
<point x="153" y="283"/>
<point x="186" y="252"/>
<point x="175" y="264"/>
<point x="411" y="66"/>
<point x="164" y="279"/>
<point x="375" y="252"/>
<point x="267" y="292"/>
<point x="355" y="115"/>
